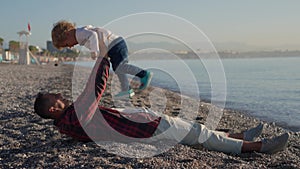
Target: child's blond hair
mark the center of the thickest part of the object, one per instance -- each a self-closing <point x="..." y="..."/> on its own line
<point x="58" y="32"/>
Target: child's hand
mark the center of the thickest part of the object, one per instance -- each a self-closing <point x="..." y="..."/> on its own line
<point x="93" y="55"/>
<point x="102" y="48"/>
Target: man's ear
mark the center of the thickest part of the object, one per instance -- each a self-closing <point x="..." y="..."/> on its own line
<point x="52" y="109"/>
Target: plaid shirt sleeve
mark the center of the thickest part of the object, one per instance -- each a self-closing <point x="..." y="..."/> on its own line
<point x="87" y="103"/>
<point x="83" y="109"/>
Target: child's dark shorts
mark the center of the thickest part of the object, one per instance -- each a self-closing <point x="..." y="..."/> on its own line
<point x="118" y="52"/>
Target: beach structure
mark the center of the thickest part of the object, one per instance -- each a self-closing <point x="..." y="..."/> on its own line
<point x="24" y="58"/>
<point x="24" y="54"/>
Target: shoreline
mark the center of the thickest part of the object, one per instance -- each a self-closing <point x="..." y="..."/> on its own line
<point x="27" y="141"/>
<point x="248" y="113"/>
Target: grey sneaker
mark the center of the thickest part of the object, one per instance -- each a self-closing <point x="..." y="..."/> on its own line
<point x="253" y="133"/>
<point x="275" y="144"/>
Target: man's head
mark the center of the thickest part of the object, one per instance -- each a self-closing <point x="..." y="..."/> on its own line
<point x="50" y="105"/>
<point x="63" y="34"/>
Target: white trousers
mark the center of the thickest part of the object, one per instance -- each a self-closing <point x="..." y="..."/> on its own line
<point x="190" y="133"/>
<point x="193" y="133"/>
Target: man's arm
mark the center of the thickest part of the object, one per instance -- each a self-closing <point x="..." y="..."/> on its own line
<point x="87" y="103"/>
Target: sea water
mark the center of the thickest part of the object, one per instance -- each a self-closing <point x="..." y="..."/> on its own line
<point x="265" y="88"/>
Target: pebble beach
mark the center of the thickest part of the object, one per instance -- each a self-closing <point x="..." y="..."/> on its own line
<point x="28" y="141"/>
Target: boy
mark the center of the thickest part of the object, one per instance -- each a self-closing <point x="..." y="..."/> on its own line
<point x="65" y="34"/>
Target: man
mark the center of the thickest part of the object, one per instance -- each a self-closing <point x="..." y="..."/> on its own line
<point x="85" y="120"/>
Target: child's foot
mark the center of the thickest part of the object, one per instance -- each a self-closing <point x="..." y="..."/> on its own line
<point x="129" y="93"/>
<point x="252" y="134"/>
<point x="275" y="144"/>
<point x="145" y="81"/>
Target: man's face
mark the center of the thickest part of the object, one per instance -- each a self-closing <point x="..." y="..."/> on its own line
<point x="56" y="100"/>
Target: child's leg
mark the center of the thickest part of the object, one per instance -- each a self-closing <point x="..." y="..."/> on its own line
<point x="124" y="81"/>
<point x="145" y="76"/>
<point x="126" y="68"/>
<point x="118" y="54"/>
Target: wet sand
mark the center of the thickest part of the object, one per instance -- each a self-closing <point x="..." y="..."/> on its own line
<point x="27" y="141"/>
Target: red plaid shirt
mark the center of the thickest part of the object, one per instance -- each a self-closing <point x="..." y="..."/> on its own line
<point x="85" y="120"/>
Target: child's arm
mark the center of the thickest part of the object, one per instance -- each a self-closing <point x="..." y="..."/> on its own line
<point x="93" y="55"/>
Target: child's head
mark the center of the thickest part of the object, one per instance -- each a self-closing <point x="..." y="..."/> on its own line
<point x="59" y="33"/>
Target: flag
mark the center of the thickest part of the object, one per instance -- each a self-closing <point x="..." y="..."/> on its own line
<point x="28" y="26"/>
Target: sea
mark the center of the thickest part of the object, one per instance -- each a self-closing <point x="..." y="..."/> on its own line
<point x="265" y="88"/>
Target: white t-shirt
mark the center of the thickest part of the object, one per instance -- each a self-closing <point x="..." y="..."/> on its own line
<point x="90" y="36"/>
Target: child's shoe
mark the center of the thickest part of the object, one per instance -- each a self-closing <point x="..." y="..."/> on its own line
<point x="145" y="81"/>
<point x="129" y="93"/>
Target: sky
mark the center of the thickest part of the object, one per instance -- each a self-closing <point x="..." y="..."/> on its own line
<point x="273" y="24"/>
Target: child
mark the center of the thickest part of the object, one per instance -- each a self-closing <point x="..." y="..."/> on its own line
<point x="65" y="34"/>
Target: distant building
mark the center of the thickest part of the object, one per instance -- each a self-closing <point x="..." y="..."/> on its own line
<point x="51" y="48"/>
<point x="9" y="56"/>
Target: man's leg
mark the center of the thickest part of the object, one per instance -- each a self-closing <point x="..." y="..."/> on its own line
<point x="250" y="134"/>
<point x="193" y="133"/>
<point x="251" y="146"/>
<point x="172" y="128"/>
<point x="219" y="141"/>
